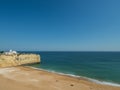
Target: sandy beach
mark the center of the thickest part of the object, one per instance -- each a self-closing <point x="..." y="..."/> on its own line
<point x="26" y="78"/>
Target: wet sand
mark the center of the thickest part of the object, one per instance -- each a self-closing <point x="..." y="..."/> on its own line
<point x="25" y="78"/>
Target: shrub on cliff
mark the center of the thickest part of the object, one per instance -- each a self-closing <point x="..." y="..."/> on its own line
<point x="1" y="52"/>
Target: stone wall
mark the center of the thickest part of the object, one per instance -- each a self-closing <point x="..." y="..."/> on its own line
<point x="18" y="59"/>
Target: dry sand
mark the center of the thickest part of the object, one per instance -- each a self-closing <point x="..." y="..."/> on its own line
<point x="25" y="78"/>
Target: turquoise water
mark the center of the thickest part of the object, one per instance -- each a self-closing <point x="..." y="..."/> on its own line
<point x="102" y="66"/>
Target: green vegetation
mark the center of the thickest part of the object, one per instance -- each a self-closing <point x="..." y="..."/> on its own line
<point x="1" y="52"/>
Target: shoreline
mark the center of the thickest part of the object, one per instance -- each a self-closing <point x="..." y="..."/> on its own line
<point x="30" y="78"/>
<point x="79" y="77"/>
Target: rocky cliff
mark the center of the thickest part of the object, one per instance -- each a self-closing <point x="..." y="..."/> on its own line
<point x="18" y="59"/>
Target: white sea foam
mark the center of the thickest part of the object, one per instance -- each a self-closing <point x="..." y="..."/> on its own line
<point x="103" y="82"/>
<point x="72" y="75"/>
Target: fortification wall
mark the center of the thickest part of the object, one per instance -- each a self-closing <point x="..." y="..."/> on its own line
<point x="18" y="59"/>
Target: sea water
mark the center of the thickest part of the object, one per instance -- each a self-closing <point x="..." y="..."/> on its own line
<point x="97" y="66"/>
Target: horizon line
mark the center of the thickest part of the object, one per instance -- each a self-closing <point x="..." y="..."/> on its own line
<point x="61" y="51"/>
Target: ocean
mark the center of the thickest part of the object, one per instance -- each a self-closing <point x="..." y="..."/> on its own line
<point x="102" y="67"/>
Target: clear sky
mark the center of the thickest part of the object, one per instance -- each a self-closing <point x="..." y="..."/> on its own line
<point x="60" y="25"/>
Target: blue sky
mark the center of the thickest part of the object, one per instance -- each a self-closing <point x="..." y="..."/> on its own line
<point x="60" y="25"/>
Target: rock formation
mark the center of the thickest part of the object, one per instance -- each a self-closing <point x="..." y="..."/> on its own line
<point x="18" y="59"/>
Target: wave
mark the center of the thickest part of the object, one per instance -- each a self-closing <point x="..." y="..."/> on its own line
<point x="76" y="76"/>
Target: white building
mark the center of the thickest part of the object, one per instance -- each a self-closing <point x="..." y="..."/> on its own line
<point x="11" y="52"/>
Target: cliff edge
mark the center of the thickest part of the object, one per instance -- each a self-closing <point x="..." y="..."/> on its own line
<point x="18" y="59"/>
